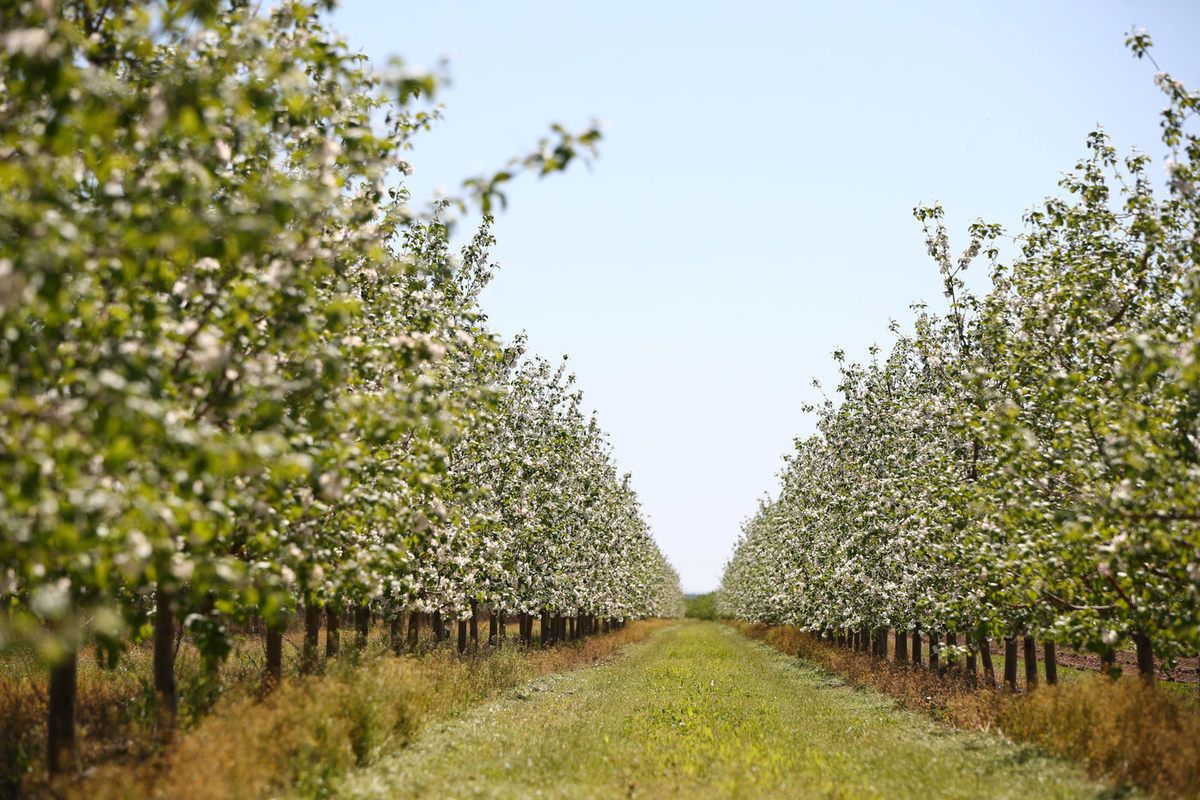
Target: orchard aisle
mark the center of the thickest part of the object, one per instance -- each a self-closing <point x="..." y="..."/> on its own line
<point x="698" y="710"/>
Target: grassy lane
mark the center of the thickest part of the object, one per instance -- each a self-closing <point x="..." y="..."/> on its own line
<point x="699" y="710"/>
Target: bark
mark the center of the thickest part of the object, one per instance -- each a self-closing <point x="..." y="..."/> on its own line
<point x="985" y="653"/>
<point x="414" y="630"/>
<point x="952" y="641"/>
<point x="934" y="653"/>
<point x="916" y="648"/>
<point x="475" y="624"/>
<point x="60" y="728"/>
<point x="972" y="659"/>
<point x="1010" y="662"/>
<point x="462" y="636"/>
<point x="362" y="624"/>
<point x="1031" y="673"/>
<point x="396" y="633"/>
<point x="571" y="629"/>
<point x="493" y="628"/>
<point x="1051" y="659"/>
<point x="1145" y="656"/>
<point x="1108" y="662"/>
<point x="901" y="646"/>
<point x="547" y="635"/>
<point x="439" y="630"/>
<point x="310" y="659"/>
<point x="274" y="674"/>
<point x="333" y="634"/>
<point x="166" y="693"/>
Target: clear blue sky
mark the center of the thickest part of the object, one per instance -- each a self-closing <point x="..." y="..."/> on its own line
<point x="751" y="208"/>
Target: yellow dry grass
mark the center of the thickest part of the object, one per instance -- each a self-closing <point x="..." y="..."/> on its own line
<point x="306" y="734"/>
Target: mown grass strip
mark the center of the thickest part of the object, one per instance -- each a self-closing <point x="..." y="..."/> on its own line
<point x="698" y="710"/>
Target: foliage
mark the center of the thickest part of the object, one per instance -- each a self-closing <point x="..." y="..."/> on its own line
<point x="1025" y="463"/>
<point x="702" y="606"/>
<point x="237" y="371"/>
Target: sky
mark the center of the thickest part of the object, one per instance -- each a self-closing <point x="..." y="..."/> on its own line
<point x="751" y="208"/>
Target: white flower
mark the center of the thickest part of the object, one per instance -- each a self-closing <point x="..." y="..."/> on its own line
<point x="52" y="600"/>
<point x="330" y="485"/>
<point x="328" y="152"/>
<point x="183" y="569"/>
<point x="209" y="352"/>
<point x="26" y="41"/>
<point x="1109" y="637"/>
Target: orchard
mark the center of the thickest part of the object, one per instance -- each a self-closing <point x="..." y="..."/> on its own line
<point x="1024" y="465"/>
<point x="243" y="382"/>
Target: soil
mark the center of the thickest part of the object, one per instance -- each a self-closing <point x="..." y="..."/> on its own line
<point x="1187" y="670"/>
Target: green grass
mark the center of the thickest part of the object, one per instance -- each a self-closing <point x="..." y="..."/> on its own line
<point x="701" y="711"/>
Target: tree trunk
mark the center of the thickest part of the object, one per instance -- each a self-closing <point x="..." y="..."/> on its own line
<point x="274" y="674"/>
<point x="1010" y="662"/>
<point x="439" y="630"/>
<point x="60" y="728"/>
<point x="916" y="648"/>
<point x="972" y="659"/>
<point x="1031" y="675"/>
<point x="310" y="659"/>
<point x="362" y="624"/>
<point x="934" y="653"/>
<point x="493" y="629"/>
<point x="1145" y="656"/>
<point x="900" y="640"/>
<point x="952" y="641"/>
<point x="1051" y="659"/>
<point x="1108" y="662"/>
<point x="475" y="624"/>
<point x="462" y="636"/>
<point x="396" y="633"/>
<point x="547" y="636"/>
<point x="333" y="633"/>
<point x="414" y="630"/>
<point x="166" y="693"/>
<point x="985" y="653"/>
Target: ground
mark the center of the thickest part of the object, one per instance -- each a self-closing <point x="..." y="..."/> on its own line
<point x="698" y="710"/>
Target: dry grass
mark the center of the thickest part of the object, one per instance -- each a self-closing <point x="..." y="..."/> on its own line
<point x="1125" y="731"/>
<point x="304" y="736"/>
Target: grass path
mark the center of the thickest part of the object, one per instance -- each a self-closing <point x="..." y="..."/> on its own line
<point x="698" y="710"/>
